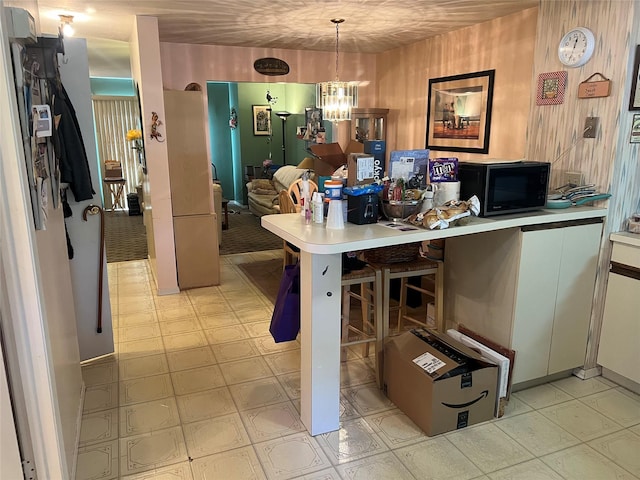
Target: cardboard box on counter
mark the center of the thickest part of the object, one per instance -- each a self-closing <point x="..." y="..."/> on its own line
<point x="438" y="382"/>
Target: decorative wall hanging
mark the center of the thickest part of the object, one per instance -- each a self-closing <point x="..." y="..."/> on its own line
<point x="271" y="66"/>
<point x="459" y="112"/>
<point x="261" y="120"/>
<point x="635" y="129"/>
<point x="551" y="88"/>
<point x="596" y="88"/>
<point x="634" y="98"/>
<point x="155" y="123"/>
<point x="233" y="119"/>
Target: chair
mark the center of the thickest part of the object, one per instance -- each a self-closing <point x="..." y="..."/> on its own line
<point x="295" y="189"/>
<point x="403" y="271"/>
<point x="291" y="253"/>
<point x="370" y="298"/>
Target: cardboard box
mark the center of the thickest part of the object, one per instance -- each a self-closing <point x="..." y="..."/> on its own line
<point x="374" y="146"/>
<point x="360" y="169"/>
<point x="332" y="153"/>
<point x="112" y="169"/>
<point x="438" y="392"/>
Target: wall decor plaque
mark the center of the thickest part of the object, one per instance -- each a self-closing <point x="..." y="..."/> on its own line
<point x="271" y="66"/>
<point x="550" y="89"/>
<point x="596" y="88"/>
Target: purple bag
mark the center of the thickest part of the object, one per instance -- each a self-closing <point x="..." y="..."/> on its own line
<point x="285" y="321"/>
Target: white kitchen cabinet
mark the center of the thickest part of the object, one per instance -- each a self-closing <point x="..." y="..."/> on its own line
<point x="528" y="289"/>
<point x="619" y="350"/>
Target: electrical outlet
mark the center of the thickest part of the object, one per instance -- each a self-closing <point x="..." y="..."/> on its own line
<point x="576" y="178"/>
<point x="590" y="127"/>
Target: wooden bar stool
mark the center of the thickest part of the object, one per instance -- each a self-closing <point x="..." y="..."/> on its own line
<point x="370" y="298"/>
<point x="403" y="271"/>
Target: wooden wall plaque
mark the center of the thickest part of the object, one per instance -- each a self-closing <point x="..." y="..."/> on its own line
<point x="595" y="89"/>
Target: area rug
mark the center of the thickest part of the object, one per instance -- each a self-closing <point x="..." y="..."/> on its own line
<point x="125" y="237"/>
<point x="245" y="234"/>
<point x="265" y="275"/>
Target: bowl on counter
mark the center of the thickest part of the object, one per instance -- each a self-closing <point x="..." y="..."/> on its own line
<point x="400" y="209"/>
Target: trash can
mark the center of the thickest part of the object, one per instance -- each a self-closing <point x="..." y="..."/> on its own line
<point x="133" y="203"/>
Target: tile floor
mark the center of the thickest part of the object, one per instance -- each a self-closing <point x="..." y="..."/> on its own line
<point x="198" y="389"/>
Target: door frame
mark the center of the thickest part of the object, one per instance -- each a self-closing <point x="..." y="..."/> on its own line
<point x="24" y="308"/>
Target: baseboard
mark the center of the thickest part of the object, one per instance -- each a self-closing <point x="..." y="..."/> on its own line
<point x="620" y="380"/>
<point x="168" y="291"/>
<point x="588" y="373"/>
<point x="78" y="428"/>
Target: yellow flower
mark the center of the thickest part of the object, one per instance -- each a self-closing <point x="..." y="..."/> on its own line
<point x="134" y="135"/>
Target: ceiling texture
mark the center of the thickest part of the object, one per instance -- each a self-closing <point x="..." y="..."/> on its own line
<point x="371" y="26"/>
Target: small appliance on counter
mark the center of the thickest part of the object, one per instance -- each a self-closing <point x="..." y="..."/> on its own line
<point x="505" y="186"/>
<point x="362" y="209"/>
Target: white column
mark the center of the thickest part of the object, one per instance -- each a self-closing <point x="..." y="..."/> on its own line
<point x="320" y="290"/>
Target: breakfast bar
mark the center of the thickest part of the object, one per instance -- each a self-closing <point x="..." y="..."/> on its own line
<point x="320" y="292"/>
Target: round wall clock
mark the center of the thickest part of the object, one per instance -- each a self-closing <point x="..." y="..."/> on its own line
<point x="576" y="47"/>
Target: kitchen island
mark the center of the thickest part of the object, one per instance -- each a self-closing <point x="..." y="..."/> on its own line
<point x="320" y="293"/>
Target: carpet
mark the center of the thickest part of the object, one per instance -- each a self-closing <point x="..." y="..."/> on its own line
<point x="125" y="237"/>
<point x="265" y="275"/>
<point x="245" y="234"/>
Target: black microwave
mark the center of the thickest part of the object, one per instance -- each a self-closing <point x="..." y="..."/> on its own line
<point x="505" y="187"/>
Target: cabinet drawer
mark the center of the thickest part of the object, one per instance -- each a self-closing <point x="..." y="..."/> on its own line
<point x="626" y="255"/>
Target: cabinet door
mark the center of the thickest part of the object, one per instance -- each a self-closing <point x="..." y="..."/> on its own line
<point x="620" y="338"/>
<point x="576" y="283"/>
<point x="537" y="282"/>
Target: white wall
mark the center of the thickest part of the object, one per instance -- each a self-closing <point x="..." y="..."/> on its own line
<point x="85" y="235"/>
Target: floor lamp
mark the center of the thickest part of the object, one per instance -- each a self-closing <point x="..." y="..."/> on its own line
<point x="283" y="116"/>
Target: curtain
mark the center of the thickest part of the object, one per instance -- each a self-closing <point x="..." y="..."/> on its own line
<point x="114" y="116"/>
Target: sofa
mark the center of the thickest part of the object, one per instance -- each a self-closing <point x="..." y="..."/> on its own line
<point x="263" y="193"/>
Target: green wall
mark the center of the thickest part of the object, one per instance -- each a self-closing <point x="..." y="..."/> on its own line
<point x="115" y="87"/>
<point x="247" y="149"/>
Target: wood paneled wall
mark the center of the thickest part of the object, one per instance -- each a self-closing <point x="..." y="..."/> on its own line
<point x="505" y="44"/>
<point x="555" y="132"/>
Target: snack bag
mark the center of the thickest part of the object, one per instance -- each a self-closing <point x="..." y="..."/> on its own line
<point x="443" y="170"/>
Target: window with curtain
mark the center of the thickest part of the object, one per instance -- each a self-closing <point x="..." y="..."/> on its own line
<point x="114" y="116"/>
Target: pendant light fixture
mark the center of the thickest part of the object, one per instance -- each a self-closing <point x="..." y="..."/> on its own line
<point x="336" y="98"/>
<point x="66" y="22"/>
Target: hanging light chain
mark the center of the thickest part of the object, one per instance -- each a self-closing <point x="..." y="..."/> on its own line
<point x="337" y="21"/>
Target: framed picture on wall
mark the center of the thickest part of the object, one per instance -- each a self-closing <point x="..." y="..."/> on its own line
<point x="634" y="98"/>
<point x="550" y="90"/>
<point x="261" y="120"/>
<point x="459" y="112"/>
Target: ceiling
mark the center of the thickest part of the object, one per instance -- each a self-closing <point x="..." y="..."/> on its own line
<point x="370" y="26"/>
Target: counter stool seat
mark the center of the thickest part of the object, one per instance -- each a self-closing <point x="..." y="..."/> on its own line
<point x="370" y="298"/>
<point x="403" y="271"/>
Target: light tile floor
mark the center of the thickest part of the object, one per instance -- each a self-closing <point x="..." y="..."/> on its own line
<point x="198" y="389"/>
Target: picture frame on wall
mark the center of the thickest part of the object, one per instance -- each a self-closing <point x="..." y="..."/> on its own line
<point x="634" y="98"/>
<point x="459" y="112"/>
<point x="261" y="120"/>
<point x="551" y="86"/>
<point x="635" y="129"/>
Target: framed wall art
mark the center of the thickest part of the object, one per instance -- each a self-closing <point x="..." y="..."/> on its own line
<point x="550" y="89"/>
<point x="261" y="120"/>
<point x="459" y="112"/>
<point x="635" y="129"/>
<point x="634" y="98"/>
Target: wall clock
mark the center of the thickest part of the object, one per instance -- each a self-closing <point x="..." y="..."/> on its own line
<point x="576" y="47"/>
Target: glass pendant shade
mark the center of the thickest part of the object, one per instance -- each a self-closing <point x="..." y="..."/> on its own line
<point x="336" y="99"/>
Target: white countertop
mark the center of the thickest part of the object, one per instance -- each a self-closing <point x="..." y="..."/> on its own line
<point x="626" y="237"/>
<point x="315" y="238"/>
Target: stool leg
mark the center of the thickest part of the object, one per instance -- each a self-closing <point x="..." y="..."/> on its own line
<point x="346" y="307"/>
<point x="402" y="310"/>
<point x="379" y="323"/>
<point x="386" y="288"/>
<point x="439" y="298"/>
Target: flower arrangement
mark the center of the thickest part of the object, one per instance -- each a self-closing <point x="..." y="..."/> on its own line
<point x="135" y="136"/>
